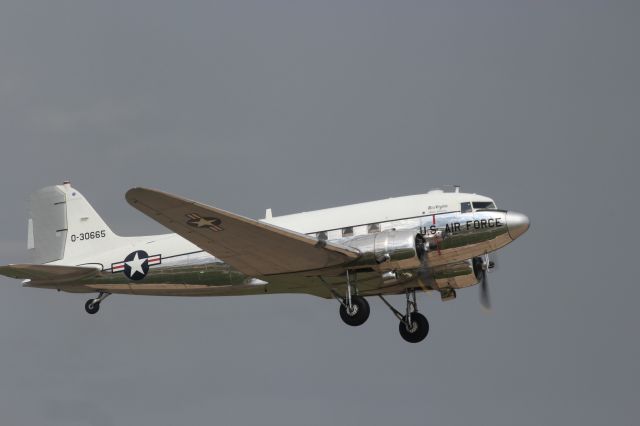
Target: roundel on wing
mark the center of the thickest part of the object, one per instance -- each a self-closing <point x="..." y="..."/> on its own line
<point x="207" y="222"/>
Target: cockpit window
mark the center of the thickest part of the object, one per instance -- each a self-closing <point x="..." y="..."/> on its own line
<point x="465" y="207"/>
<point x="484" y="205"/>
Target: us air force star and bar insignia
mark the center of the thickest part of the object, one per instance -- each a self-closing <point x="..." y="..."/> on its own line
<point x="136" y="265"/>
<point x="197" y="221"/>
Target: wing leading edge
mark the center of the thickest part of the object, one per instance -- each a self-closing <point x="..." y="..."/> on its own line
<point x="250" y="246"/>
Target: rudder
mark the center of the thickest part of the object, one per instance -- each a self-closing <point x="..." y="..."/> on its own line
<point x="63" y="225"/>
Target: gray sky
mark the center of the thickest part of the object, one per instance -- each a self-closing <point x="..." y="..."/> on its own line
<point x="303" y="105"/>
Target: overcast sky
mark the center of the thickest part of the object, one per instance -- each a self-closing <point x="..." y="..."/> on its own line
<point x="304" y="105"/>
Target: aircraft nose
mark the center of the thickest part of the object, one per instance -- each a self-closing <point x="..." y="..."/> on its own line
<point x="517" y="224"/>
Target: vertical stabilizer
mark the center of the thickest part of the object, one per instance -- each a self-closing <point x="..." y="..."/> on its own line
<point x="63" y="226"/>
<point x="47" y="225"/>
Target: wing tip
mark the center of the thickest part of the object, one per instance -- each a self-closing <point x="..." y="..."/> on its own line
<point x="133" y="194"/>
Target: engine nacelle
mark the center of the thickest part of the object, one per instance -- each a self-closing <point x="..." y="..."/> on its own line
<point x="389" y="250"/>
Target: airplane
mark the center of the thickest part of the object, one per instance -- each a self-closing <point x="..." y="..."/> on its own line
<point x="441" y="241"/>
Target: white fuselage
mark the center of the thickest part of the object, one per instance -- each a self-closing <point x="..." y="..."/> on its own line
<point x="406" y="212"/>
<point x="182" y="268"/>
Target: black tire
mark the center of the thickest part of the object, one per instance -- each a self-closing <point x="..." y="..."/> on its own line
<point x="92" y="307"/>
<point x="419" y="330"/>
<point x="360" y="312"/>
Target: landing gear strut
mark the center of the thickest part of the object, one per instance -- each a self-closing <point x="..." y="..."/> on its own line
<point x="413" y="326"/>
<point x="354" y="309"/>
<point x="93" y="305"/>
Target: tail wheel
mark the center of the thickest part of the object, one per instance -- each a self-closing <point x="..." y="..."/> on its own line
<point x="358" y="313"/>
<point x="417" y="330"/>
<point x="92" y="306"/>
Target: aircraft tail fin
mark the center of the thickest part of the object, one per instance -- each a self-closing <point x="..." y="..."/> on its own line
<point x="63" y="225"/>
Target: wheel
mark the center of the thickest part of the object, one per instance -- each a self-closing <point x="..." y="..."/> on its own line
<point x="418" y="330"/>
<point x="92" y="307"/>
<point x="359" y="311"/>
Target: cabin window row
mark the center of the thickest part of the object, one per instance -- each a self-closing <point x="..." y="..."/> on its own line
<point x="349" y="231"/>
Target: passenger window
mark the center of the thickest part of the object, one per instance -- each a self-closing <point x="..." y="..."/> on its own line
<point x="465" y="207"/>
<point x="373" y="228"/>
<point x="322" y="236"/>
<point x="334" y="234"/>
<point x="347" y="232"/>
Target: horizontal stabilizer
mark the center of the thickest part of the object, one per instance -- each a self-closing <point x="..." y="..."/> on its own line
<point x="47" y="272"/>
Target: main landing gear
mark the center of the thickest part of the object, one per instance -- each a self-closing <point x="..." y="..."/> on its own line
<point x="413" y="326"/>
<point x="354" y="309"/>
<point x="93" y="305"/>
<point x="355" y="312"/>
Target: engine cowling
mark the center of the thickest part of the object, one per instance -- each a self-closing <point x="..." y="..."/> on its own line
<point x="389" y="250"/>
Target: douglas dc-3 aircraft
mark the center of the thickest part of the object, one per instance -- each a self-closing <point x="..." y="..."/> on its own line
<point x="438" y="241"/>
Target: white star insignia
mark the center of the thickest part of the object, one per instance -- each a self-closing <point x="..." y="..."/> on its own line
<point x="202" y="222"/>
<point x="136" y="265"/>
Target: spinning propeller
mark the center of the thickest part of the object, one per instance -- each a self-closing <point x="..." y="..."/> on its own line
<point x="481" y="267"/>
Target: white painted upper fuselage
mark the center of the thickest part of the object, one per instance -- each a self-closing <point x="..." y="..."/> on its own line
<point x="336" y="223"/>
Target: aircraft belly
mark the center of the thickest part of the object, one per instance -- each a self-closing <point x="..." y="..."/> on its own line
<point x="214" y="278"/>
